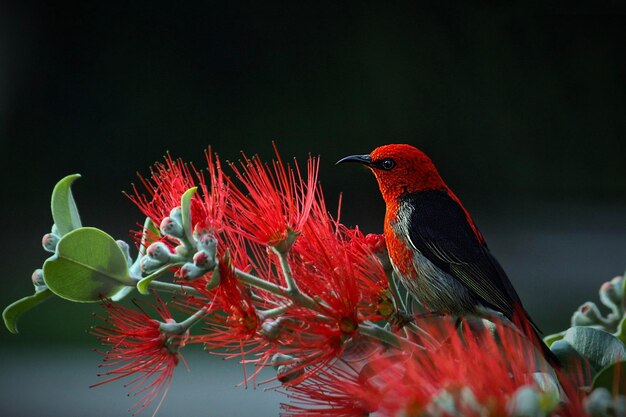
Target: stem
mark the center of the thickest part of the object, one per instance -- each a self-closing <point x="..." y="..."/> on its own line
<point x="393" y="288"/>
<point x="292" y="286"/>
<point x="273" y="312"/>
<point x="183" y="326"/>
<point x="174" y="288"/>
<point x="195" y="317"/>
<point x="286" y="268"/>
<point x="260" y="283"/>
<point x="374" y="331"/>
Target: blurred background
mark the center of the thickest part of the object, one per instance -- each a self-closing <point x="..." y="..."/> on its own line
<point x="522" y="108"/>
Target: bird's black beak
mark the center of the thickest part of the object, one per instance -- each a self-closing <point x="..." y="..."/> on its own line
<point x="361" y="159"/>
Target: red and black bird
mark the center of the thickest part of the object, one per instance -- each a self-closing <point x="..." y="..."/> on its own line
<point x="435" y="248"/>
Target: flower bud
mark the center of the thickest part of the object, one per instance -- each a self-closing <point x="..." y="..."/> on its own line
<point x="587" y="314"/>
<point x="281" y="359"/>
<point x="284" y="245"/>
<point x="600" y="403"/>
<point x="526" y="402"/>
<point x="191" y="272"/>
<point x="612" y="294"/>
<point x="216" y="277"/>
<point x="286" y="374"/>
<point x="201" y="260"/>
<point x="159" y="252"/>
<point x="177" y="214"/>
<point x="376" y="243"/>
<point x="148" y="264"/>
<point x="271" y="329"/>
<point x="287" y="368"/>
<point x="37" y="279"/>
<point x="206" y="241"/>
<point x="170" y="227"/>
<point x="181" y="250"/>
<point x="126" y="249"/>
<point x="49" y="242"/>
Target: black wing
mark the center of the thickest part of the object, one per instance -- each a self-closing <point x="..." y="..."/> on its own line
<point x="440" y="230"/>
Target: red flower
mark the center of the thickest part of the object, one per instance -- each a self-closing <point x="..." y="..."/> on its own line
<point x="214" y="196"/>
<point x="473" y="373"/>
<point x="235" y="320"/>
<point x="139" y="348"/>
<point x="169" y="181"/>
<point x="334" y="267"/>
<point x="276" y="200"/>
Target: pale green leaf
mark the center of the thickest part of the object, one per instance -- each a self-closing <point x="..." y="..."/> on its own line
<point x="13" y="312"/>
<point x="185" y="208"/>
<point x="64" y="210"/>
<point x="621" y="330"/>
<point x="149" y="230"/>
<point x="612" y="377"/>
<point x="551" y="338"/>
<point x="143" y="286"/>
<point x="600" y="348"/>
<point x="88" y="265"/>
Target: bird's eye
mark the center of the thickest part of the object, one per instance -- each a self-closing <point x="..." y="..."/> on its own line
<point x="387" y="164"/>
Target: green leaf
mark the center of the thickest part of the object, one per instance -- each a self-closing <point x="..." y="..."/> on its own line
<point x="571" y="359"/>
<point x="88" y="265"/>
<point x="551" y="338"/>
<point x="118" y="296"/>
<point x="64" y="211"/>
<point x="143" y="286"/>
<point x="13" y="312"/>
<point x="185" y="208"/>
<point x="600" y="348"/>
<point x="612" y="377"/>
<point x="621" y="330"/>
<point x="149" y="230"/>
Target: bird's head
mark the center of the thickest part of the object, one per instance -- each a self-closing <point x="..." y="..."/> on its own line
<point x="399" y="169"/>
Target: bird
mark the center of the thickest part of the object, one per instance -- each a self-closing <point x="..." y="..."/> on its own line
<point x="435" y="248"/>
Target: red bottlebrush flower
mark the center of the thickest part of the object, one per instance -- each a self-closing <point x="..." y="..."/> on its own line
<point x="376" y="243"/>
<point x="276" y="200"/>
<point x="169" y="181"/>
<point x="139" y="349"/>
<point x="330" y="392"/>
<point x="335" y="266"/>
<point x="235" y="320"/>
<point x="214" y="196"/>
<point x="475" y="373"/>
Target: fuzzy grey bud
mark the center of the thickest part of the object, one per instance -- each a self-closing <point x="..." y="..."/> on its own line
<point x="602" y="404"/>
<point x="191" y="272"/>
<point x="207" y="242"/>
<point x="612" y="294"/>
<point x="49" y="242"/>
<point x="287" y="368"/>
<point x="148" y="264"/>
<point x="271" y="328"/>
<point x="170" y="227"/>
<point x="159" y="252"/>
<point x="37" y="279"/>
<point x="526" y="402"/>
<point x="126" y="249"/>
<point x="587" y="314"/>
<point x="177" y="214"/>
<point x="200" y="259"/>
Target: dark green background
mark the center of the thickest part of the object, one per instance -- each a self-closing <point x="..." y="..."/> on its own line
<point x="522" y="108"/>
